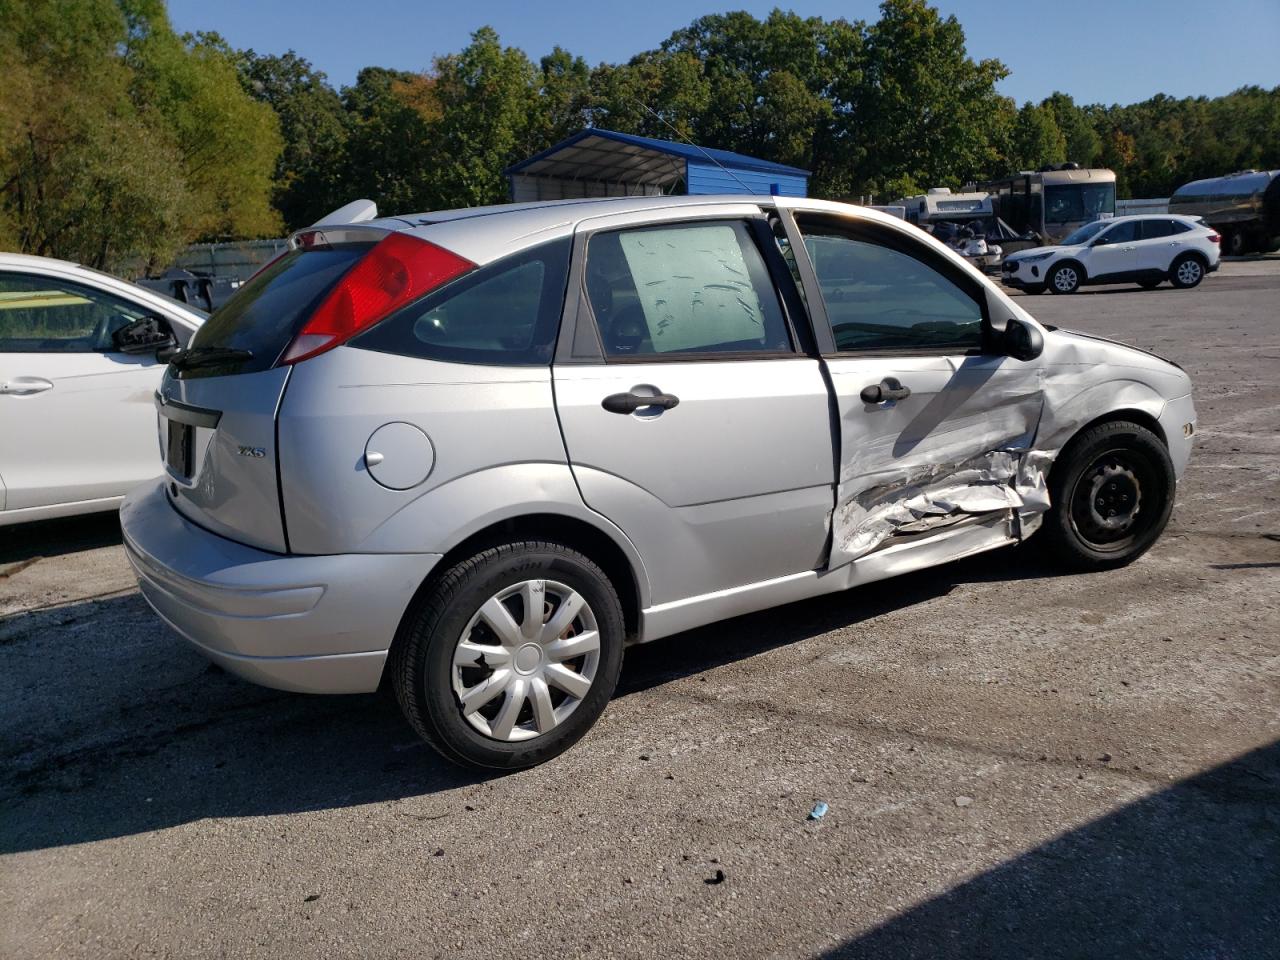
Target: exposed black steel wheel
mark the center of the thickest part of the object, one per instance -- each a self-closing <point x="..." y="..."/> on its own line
<point x="1111" y="491"/>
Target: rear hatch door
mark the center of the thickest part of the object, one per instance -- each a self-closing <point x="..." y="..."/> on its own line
<point x="219" y="399"/>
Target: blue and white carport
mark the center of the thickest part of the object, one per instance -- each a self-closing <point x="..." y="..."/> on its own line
<point x="605" y="163"/>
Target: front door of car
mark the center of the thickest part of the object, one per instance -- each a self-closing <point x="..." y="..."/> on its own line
<point x="1114" y="251"/>
<point x="691" y="419"/>
<point x="933" y="421"/>
<point x="77" y="418"/>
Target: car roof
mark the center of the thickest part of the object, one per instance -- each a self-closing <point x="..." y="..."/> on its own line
<point x="1155" y="216"/>
<point x="483" y="234"/>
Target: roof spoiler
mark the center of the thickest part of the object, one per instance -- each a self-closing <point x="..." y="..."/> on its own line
<point x="357" y="211"/>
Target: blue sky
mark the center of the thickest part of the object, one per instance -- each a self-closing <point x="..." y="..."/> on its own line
<point x="1119" y="51"/>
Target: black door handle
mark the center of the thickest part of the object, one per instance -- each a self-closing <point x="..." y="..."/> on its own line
<point x="631" y="402"/>
<point x="890" y="388"/>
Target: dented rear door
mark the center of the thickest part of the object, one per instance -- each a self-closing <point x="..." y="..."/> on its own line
<point x="933" y="429"/>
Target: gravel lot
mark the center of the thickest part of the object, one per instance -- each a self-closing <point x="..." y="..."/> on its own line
<point x="1017" y="763"/>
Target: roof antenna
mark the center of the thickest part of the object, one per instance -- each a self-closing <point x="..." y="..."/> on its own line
<point x="698" y="147"/>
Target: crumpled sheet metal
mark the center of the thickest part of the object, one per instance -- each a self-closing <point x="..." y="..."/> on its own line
<point x="1021" y="418"/>
<point x="934" y="492"/>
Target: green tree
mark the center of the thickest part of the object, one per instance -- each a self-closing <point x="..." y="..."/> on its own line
<point x="1036" y="139"/>
<point x="1082" y="144"/>
<point x="314" y="127"/>
<point x="229" y="143"/>
<point x="86" y="174"/>
<point x="926" y="111"/>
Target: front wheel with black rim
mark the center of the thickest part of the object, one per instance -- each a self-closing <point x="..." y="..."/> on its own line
<point x="1065" y="278"/>
<point x="1111" y="492"/>
<point x="511" y="656"/>
<point x="1187" y="272"/>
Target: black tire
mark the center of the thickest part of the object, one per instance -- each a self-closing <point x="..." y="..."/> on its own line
<point x="1149" y="284"/>
<point x="1187" y="271"/>
<point x="1235" y="244"/>
<point x="422" y="657"/>
<point x="1064" y="278"/>
<point x="1111" y="493"/>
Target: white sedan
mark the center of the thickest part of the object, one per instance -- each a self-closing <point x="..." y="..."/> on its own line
<point x="81" y="356"/>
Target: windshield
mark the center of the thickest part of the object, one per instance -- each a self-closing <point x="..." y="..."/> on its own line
<point x="1074" y="202"/>
<point x="259" y="321"/>
<point x="1085" y="233"/>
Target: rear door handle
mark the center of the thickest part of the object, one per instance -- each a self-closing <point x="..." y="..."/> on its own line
<point x="890" y="388"/>
<point x="631" y="402"/>
<point x="25" y="386"/>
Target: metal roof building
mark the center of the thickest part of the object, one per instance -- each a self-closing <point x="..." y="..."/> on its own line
<point x="605" y="163"/>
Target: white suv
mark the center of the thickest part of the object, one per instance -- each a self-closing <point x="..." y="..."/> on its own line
<point x="1142" y="250"/>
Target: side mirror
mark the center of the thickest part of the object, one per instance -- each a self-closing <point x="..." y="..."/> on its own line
<point x="1022" y="340"/>
<point x="143" y="336"/>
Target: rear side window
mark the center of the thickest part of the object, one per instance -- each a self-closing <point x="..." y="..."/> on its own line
<point x="684" y="289"/>
<point x="1180" y="226"/>
<point x="1155" y="229"/>
<point x="507" y="313"/>
<point x="263" y="316"/>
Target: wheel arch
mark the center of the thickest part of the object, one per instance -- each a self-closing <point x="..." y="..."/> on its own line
<point x="1189" y="254"/>
<point x="1121" y="415"/>
<point x="573" y="532"/>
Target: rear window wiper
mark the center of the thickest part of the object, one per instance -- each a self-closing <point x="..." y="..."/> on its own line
<point x="194" y="357"/>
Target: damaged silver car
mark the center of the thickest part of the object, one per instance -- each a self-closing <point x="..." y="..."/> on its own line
<point x="473" y="455"/>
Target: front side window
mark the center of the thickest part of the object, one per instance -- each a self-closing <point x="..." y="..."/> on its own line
<point x="47" y="315"/>
<point x="879" y="297"/>
<point x="693" y="288"/>
<point x="506" y="313"/>
<point x="1126" y="232"/>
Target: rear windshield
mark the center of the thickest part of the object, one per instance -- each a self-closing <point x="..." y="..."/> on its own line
<point x="263" y="316"/>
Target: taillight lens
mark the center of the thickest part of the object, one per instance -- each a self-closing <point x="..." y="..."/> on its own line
<point x="1214" y="238"/>
<point x="398" y="270"/>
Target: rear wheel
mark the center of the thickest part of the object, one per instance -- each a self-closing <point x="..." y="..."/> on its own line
<point x="511" y="657"/>
<point x="1187" y="272"/>
<point x="1236" y="244"/>
<point x="1112" y="492"/>
<point x="1065" y="278"/>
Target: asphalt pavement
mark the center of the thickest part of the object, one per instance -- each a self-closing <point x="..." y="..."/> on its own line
<point x="1016" y="763"/>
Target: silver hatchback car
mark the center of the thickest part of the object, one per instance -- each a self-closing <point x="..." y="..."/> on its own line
<point x="474" y="454"/>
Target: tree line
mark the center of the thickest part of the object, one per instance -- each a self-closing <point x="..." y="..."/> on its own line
<point x="121" y="140"/>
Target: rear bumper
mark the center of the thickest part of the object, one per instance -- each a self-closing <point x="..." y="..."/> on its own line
<point x="312" y="624"/>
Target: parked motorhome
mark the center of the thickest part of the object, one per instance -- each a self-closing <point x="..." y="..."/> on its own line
<point x="1053" y="202"/>
<point x="1244" y="207"/>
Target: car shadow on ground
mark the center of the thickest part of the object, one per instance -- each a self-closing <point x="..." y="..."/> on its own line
<point x="53" y="538"/>
<point x="145" y="735"/>
<point x="1191" y="871"/>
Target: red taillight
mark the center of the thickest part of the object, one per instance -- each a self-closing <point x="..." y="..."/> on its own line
<point x="399" y="269"/>
<point x="1214" y="238"/>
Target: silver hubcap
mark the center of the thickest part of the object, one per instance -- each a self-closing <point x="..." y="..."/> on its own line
<point x="526" y="660"/>
<point x="1065" y="279"/>
<point x="1189" y="272"/>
